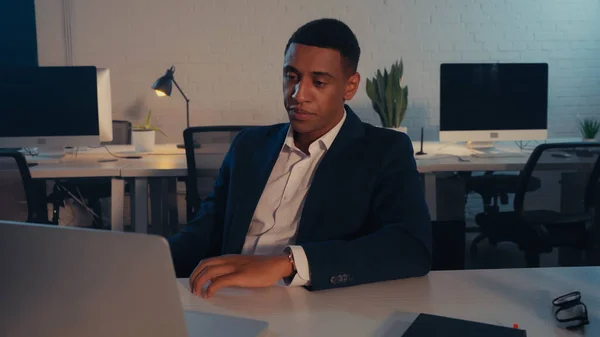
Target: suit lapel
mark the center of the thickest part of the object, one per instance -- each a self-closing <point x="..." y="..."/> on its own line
<point x="332" y="170"/>
<point x="257" y="175"/>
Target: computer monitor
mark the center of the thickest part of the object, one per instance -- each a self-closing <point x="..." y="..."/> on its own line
<point x="487" y="102"/>
<point x="104" y="105"/>
<point x="48" y="107"/>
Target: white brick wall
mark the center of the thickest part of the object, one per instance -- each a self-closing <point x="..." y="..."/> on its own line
<point x="228" y="53"/>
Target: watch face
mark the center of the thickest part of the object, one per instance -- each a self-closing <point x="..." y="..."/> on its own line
<point x="291" y="258"/>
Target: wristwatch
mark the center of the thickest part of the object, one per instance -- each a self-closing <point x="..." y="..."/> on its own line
<point x="290" y="256"/>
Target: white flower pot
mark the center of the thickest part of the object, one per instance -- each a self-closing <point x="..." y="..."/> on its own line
<point x="143" y="141"/>
<point x="589" y="139"/>
<point x="400" y="129"/>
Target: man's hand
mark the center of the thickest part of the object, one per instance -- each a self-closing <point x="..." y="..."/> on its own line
<point x="239" y="271"/>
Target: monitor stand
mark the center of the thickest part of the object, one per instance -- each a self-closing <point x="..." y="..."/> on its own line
<point x="481" y="146"/>
<point x="487" y="149"/>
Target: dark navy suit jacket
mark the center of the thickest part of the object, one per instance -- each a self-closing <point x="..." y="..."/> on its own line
<point x="364" y="219"/>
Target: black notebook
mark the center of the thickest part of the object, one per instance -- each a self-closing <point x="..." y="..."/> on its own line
<point x="437" y="326"/>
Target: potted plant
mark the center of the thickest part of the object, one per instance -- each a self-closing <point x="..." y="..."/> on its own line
<point x="143" y="136"/>
<point x="589" y="128"/>
<point x="388" y="97"/>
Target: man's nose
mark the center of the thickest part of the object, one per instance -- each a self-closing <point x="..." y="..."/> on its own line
<point x="300" y="91"/>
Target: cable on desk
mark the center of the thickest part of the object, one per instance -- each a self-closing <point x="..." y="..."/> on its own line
<point x="163" y="154"/>
<point x="524" y="145"/>
<point x="106" y="147"/>
<point x="121" y="157"/>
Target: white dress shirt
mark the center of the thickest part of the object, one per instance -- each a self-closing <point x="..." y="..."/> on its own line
<point x="275" y="221"/>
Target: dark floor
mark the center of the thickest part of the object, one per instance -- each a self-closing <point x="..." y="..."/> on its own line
<point x="507" y="255"/>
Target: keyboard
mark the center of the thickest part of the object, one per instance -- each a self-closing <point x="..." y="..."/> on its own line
<point x="499" y="154"/>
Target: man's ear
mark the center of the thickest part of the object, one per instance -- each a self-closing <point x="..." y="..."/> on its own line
<point x="351" y="86"/>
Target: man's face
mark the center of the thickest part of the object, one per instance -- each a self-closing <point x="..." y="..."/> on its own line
<point x="315" y="87"/>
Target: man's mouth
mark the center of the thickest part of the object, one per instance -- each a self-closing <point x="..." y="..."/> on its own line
<point x="299" y="114"/>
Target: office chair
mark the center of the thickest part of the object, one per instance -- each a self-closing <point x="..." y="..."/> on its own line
<point x="91" y="189"/>
<point x="494" y="190"/>
<point x="18" y="198"/>
<point x="200" y="135"/>
<point x="544" y="219"/>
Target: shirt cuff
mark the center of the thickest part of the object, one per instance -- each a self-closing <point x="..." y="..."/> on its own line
<point x="302" y="277"/>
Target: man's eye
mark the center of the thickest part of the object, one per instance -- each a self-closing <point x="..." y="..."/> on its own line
<point x="291" y="76"/>
<point x="319" y="84"/>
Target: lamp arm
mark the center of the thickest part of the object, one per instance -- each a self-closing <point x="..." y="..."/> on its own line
<point x="180" y="91"/>
<point x="187" y="103"/>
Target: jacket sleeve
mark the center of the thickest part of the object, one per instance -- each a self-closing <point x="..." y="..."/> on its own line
<point x="202" y="237"/>
<point x="400" y="248"/>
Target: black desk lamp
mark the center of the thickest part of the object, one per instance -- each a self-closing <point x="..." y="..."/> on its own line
<point x="421" y="153"/>
<point x="163" y="87"/>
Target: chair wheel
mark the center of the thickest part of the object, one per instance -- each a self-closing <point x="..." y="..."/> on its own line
<point x="473" y="248"/>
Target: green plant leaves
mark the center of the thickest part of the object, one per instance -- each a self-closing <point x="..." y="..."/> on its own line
<point x="147" y="126"/>
<point x="589" y="128"/>
<point x="374" y="96"/>
<point x="388" y="98"/>
<point x="148" y="118"/>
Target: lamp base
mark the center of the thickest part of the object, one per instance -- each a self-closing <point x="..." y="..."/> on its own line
<point x="420" y="153"/>
<point x="182" y="146"/>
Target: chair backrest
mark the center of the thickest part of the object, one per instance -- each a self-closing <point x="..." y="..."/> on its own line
<point x="197" y="139"/>
<point x="121" y="133"/>
<point x="16" y="198"/>
<point x="568" y="177"/>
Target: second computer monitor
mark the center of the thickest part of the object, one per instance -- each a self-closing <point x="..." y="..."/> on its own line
<point x="48" y="107"/>
<point x="488" y="102"/>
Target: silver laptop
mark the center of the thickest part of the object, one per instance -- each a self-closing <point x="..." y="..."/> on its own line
<point x="71" y="282"/>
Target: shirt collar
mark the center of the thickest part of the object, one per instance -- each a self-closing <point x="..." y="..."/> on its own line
<point x="326" y="140"/>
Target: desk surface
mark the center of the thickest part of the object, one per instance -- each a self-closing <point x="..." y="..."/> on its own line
<point x="77" y="169"/>
<point x="169" y="161"/>
<point x="171" y="166"/>
<point x="501" y="297"/>
<point x="209" y="160"/>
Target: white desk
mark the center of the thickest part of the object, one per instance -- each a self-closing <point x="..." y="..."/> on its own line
<point x="447" y="157"/>
<point x="500" y="297"/>
<point x="165" y="161"/>
<point x="159" y="172"/>
<point x="77" y="169"/>
<point x="168" y="162"/>
<point x="88" y="168"/>
<point x="87" y="164"/>
<point x="211" y="156"/>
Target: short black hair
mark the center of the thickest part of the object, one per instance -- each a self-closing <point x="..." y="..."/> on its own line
<point x="332" y="34"/>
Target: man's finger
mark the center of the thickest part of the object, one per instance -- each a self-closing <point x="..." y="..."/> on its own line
<point x="203" y="264"/>
<point x="209" y="273"/>
<point x="228" y="280"/>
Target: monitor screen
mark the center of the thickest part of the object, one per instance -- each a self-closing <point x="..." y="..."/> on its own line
<point x="48" y="101"/>
<point x="493" y="96"/>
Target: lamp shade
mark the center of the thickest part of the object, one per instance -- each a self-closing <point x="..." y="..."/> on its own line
<point x="164" y="84"/>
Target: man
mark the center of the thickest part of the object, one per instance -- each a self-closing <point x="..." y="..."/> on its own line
<point x="323" y="201"/>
